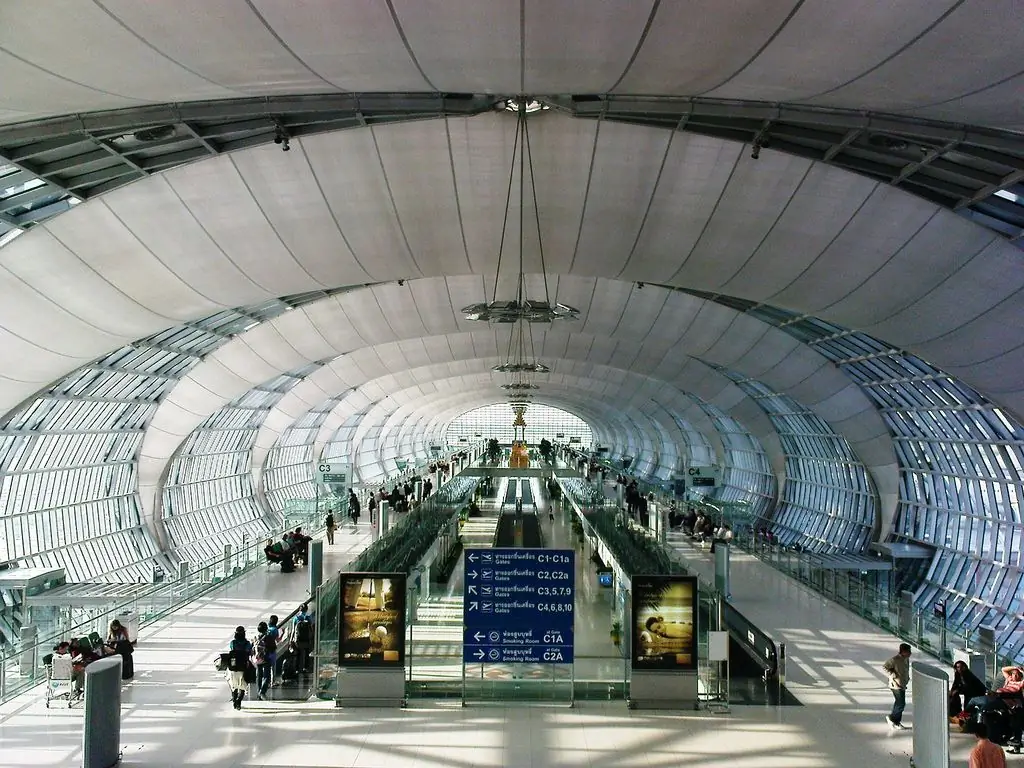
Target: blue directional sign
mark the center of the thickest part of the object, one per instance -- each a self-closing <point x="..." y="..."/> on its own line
<point x="519" y="606"/>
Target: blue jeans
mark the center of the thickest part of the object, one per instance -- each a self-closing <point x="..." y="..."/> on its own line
<point x="264" y="675"/>
<point x="899" y="704"/>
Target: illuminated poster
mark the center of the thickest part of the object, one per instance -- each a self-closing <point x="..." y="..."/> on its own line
<point x="372" y="632"/>
<point x="664" y="622"/>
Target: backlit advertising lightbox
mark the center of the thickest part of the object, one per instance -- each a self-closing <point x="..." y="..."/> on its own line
<point x="372" y="632"/>
<point x="664" y="623"/>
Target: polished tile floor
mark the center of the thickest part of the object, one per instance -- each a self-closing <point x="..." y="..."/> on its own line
<point x="176" y="712"/>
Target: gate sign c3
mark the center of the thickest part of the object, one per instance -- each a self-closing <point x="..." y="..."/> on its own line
<point x="332" y="473"/>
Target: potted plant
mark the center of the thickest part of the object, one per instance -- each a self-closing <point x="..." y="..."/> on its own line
<point x="616" y="633"/>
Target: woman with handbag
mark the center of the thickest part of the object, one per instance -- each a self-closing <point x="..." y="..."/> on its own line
<point x="239" y="666"/>
<point x="119" y="642"/>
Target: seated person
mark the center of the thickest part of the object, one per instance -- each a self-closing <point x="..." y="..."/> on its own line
<point x="272" y="552"/>
<point x="300" y="544"/>
<point x="1007" y="696"/>
<point x="966" y="686"/>
<point x="280" y="553"/>
<point x="82" y="655"/>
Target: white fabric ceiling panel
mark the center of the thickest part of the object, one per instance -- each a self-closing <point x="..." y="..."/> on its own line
<point x="399" y="308"/>
<point x="288" y="195"/>
<point x="367" y="362"/>
<point x="31" y="92"/>
<point x="626" y="165"/>
<point x="353" y="45"/>
<point x="223" y="41"/>
<point x="391" y="355"/>
<point x="770" y="350"/>
<point x="686" y="51"/>
<point x="298" y="327"/>
<point x="995" y="274"/>
<point x="824" y="204"/>
<point x="466" y="46"/>
<point x="334" y="326"/>
<point x="461" y="346"/>
<point x="895" y="83"/>
<point x="434" y="304"/>
<point x="967" y="350"/>
<point x="367" y="317"/>
<point x="274" y="348"/>
<point x="154" y="213"/>
<point x="212" y="384"/>
<point x="940" y="248"/>
<point x="881" y="227"/>
<point x="794" y="369"/>
<point x="216" y="195"/>
<point x="414" y="352"/>
<point x="601" y="350"/>
<point x="416" y="162"/>
<point x="561" y="164"/>
<point x="243" y="361"/>
<point x="76" y="42"/>
<point x="695" y="173"/>
<point x="439" y="348"/>
<point x="481" y="155"/>
<point x="37" y="363"/>
<point x="712" y="321"/>
<point x="82" y="293"/>
<point x="757" y="195"/>
<point x="31" y="316"/>
<point x="644" y="313"/>
<point x="348" y="176"/>
<point x="827" y="43"/>
<point x="612" y="296"/>
<point x="844" y="404"/>
<point x="578" y="63"/>
<point x="744" y="339"/>
<point x="577" y="292"/>
<point x="998" y="105"/>
<point x="102" y="241"/>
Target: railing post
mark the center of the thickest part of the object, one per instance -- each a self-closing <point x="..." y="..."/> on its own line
<point x="781" y="675"/>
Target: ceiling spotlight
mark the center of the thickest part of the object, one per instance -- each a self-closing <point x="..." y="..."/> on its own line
<point x="755" y="150"/>
<point x="639" y="286"/>
<point x="281" y="137"/>
<point x="401" y="283"/>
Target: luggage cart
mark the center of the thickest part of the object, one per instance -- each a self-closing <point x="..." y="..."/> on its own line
<point x="60" y="682"/>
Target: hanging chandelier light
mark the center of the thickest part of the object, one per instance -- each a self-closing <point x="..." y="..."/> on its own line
<point x="521" y="308"/>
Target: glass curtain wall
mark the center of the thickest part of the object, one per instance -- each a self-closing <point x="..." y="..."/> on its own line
<point x="747" y="474"/>
<point x="208" y="497"/>
<point x="543" y="421"/>
<point x="828" y="503"/>
<point x="962" y="473"/>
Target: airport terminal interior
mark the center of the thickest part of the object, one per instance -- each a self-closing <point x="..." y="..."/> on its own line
<point x="554" y="275"/>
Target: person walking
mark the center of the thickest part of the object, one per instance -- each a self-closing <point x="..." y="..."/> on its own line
<point x="353" y="507"/>
<point x="265" y="656"/>
<point x="330" y="525"/>
<point x="239" y="652"/>
<point x="898" y="669"/>
<point x="985" y="754"/>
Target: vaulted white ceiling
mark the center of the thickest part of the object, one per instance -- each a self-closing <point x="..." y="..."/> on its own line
<point x="422" y="202"/>
<point x="955" y="60"/>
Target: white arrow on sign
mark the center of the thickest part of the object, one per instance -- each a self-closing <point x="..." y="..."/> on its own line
<point x="474" y="606"/>
<point x="479" y="654"/>
<point x="471" y="589"/>
<point x="471" y="557"/>
<point x="477" y="636"/>
<point x="472" y="574"/>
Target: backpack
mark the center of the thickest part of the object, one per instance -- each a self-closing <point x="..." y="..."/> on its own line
<point x="238" y="658"/>
<point x="304" y="631"/>
<point x="265" y="646"/>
